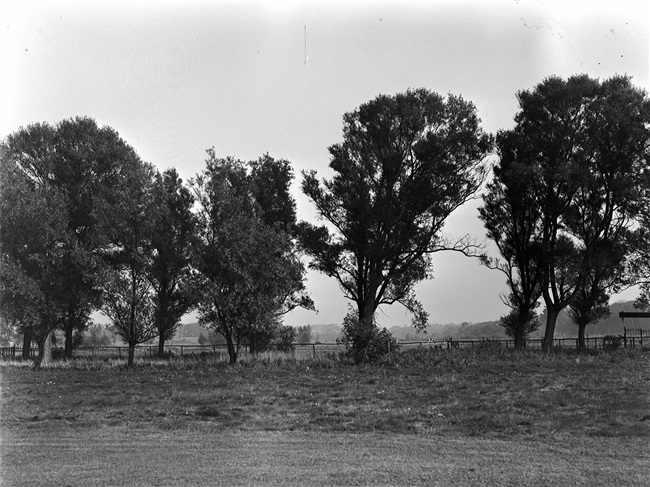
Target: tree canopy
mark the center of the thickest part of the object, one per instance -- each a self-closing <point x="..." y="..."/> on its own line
<point x="249" y="270"/>
<point x="405" y="164"/>
<point x="584" y="143"/>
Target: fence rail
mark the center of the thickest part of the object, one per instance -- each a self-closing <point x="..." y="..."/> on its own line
<point x="631" y="338"/>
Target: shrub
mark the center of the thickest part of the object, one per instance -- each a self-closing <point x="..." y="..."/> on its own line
<point x="365" y="345"/>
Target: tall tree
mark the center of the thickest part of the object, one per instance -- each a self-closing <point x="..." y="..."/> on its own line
<point x="85" y="163"/>
<point x="405" y="164"/>
<point x="34" y="237"/>
<point x="512" y="219"/>
<point x="170" y="271"/>
<point x="250" y="272"/>
<point x="128" y="297"/>
<point x="587" y="140"/>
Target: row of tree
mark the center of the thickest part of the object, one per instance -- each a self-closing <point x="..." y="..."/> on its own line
<point x="87" y="225"/>
<point x="568" y="207"/>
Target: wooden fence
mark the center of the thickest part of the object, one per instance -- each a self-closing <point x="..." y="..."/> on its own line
<point x="631" y="338"/>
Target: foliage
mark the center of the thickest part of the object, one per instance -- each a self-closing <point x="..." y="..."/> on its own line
<point x="250" y="272"/>
<point x="406" y="162"/>
<point x="366" y="345"/>
<point x="584" y="144"/>
<point x="285" y="338"/>
<point x="639" y="263"/>
<point x="517" y="326"/>
<point x="97" y="336"/>
<point x="512" y="219"/>
<point x="210" y="337"/>
<point x="32" y="272"/>
<point x="129" y="301"/>
<point x="304" y="334"/>
<point x="170" y="272"/>
<point x="84" y="164"/>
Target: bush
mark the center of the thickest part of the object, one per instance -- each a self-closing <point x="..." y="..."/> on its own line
<point x="365" y="345"/>
<point x="611" y="342"/>
<point x="285" y="338"/>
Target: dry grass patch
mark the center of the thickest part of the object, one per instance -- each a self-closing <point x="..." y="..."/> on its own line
<point x="520" y="401"/>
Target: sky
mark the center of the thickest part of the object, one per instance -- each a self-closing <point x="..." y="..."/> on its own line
<point x="177" y="78"/>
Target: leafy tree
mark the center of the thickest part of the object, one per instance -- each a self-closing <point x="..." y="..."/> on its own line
<point x="210" y="338"/>
<point x="285" y="338"/>
<point x="638" y="265"/>
<point x="170" y="271"/>
<point x="587" y="142"/>
<point x="85" y="164"/>
<point x="270" y="186"/>
<point x="512" y="218"/>
<point x="31" y="264"/>
<point x="304" y="334"/>
<point x="519" y="327"/>
<point x="128" y="296"/>
<point x="405" y="164"/>
<point x="97" y="336"/>
<point x="250" y="272"/>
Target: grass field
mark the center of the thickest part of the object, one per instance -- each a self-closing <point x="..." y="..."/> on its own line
<point x="452" y="417"/>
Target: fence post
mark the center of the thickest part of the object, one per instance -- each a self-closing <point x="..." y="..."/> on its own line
<point x="313" y="345"/>
<point x="181" y="350"/>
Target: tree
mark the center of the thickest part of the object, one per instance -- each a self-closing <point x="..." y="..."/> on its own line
<point x="405" y="164"/>
<point x="270" y="186"/>
<point x="97" y="336"/>
<point x="249" y="270"/>
<point x="170" y="272"/>
<point x="520" y="326"/>
<point x="638" y="265"/>
<point x="128" y="297"/>
<point x="85" y="164"/>
<point x="32" y="272"/>
<point x="587" y="141"/>
<point x="304" y="334"/>
<point x="512" y="219"/>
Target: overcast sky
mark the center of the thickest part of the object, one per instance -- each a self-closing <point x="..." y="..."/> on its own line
<point x="176" y="78"/>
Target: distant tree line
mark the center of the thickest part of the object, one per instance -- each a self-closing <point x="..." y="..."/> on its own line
<point x="86" y="225"/>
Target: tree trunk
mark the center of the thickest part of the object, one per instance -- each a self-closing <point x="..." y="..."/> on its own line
<point x="44" y="351"/>
<point x="582" y="328"/>
<point x="27" y="342"/>
<point x="131" y="360"/>
<point x="161" y="344"/>
<point x="519" y="336"/>
<point x="551" y="320"/>
<point x="232" y="350"/>
<point x="69" y="330"/>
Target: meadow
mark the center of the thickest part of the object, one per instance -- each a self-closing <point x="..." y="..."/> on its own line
<point x="428" y="417"/>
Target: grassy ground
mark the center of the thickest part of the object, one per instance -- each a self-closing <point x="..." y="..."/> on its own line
<point x="457" y="417"/>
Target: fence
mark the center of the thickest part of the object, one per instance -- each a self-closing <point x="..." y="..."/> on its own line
<point x="631" y="338"/>
<point x="301" y="351"/>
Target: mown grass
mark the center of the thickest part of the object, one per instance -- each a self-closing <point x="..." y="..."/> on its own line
<point x="485" y="395"/>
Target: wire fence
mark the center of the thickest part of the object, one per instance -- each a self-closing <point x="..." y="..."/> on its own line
<point x="631" y="338"/>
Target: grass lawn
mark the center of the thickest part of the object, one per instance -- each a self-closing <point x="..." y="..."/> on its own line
<point x="456" y="417"/>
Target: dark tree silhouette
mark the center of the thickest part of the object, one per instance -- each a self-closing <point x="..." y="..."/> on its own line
<point x="405" y="164"/>
<point x="172" y="240"/>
